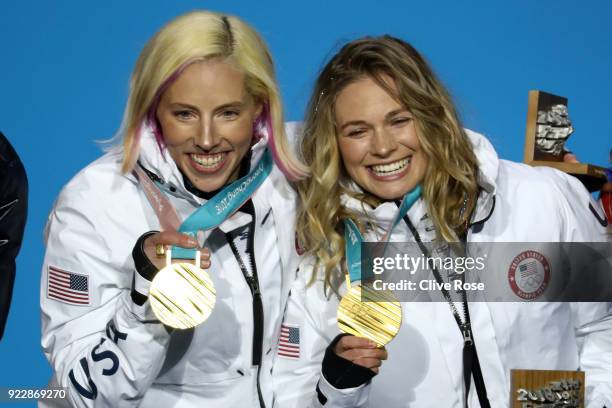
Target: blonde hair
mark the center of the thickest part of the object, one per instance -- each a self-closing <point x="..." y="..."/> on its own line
<point x="450" y="177"/>
<point x="198" y="36"/>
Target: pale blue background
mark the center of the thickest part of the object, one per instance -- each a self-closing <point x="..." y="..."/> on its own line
<point x="64" y="69"/>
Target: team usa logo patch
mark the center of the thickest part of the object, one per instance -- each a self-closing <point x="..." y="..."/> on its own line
<point x="529" y="274"/>
<point x="67" y="287"/>
<point x="289" y="342"/>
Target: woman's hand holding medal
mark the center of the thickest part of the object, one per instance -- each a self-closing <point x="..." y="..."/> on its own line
<point x="361" y="351"/>
<point x="181" y="293"/>
<point x="156" y="245"/>
<point x="352" y="361"/>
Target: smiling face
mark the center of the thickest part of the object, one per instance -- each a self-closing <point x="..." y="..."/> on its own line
<point x="206" y="118"/>
<point x="377" y="140"/>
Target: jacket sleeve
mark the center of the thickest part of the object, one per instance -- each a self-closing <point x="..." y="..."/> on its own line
<point x="104" y="349"/>
<point x="594" y="335"/>
<point x="13" y="213"/>
<point x="585" y="222"/>
<point x="298" y="380"/>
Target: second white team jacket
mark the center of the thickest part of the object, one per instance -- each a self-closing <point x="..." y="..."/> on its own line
<point x="517" y="203"/>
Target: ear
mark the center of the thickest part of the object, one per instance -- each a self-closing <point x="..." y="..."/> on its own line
<point x="258" y="121"/>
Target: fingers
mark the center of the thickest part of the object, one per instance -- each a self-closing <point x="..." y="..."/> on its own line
<point x="205" y="263"/>
<point x="351" y="342"/>
<point x="370" y="363"/>
<point x="360" y="354"/>
<point x="367" y="358"/>
<point x="173" y="238"/>
<point x="361" y="351"/>
<point x="205" y="253"/>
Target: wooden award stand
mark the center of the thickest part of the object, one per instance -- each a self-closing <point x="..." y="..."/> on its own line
<point x="546" y="388"/>
<point x="593" y="177"/>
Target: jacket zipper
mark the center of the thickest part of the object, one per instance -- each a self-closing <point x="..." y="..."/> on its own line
<point x="151" y="175"/>
<point x="258" y="313"/>
<point x="253" y="282"/>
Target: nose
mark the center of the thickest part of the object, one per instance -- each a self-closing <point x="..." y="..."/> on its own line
<point x="383" y="143"/>
<point x="208" y="138"/>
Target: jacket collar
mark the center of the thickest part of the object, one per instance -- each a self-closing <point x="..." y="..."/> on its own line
<point x="488" y="161"/>
<point x="380" y="219"/>
<point x="488" y="170"/>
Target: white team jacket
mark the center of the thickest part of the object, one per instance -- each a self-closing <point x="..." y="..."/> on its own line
<point x="424" y="369"/>
<point x="109" y="343"/>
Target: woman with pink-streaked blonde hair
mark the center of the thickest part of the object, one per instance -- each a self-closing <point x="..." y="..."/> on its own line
<point x="204" y="143"/>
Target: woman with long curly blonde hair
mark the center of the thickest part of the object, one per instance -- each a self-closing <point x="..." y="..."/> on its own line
<point x="390" y="159"/>
<point x="450" y="168"/>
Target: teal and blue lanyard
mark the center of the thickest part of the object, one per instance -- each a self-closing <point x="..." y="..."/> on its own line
<point x="353" y="238"/>
<point x="223" y="204"/>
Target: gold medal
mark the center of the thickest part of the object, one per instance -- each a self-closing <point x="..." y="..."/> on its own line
<point x="182" y="295"/>
<point x="363" y="311"/>
<point x="369" y="313"/>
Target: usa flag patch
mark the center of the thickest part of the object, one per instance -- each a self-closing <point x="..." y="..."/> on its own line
<point x="67" y="287"/>
<point x="289" y="342"/>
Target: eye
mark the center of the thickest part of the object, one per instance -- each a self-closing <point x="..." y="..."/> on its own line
<point x="400" y="120"/>
<point x="230" y="114"/>
<point x="356" y="132"/>
<point x="183" y="114"/>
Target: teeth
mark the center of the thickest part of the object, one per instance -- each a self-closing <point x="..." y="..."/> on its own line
<point x="208" y="160"/>
<point x="390" y="168"/>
